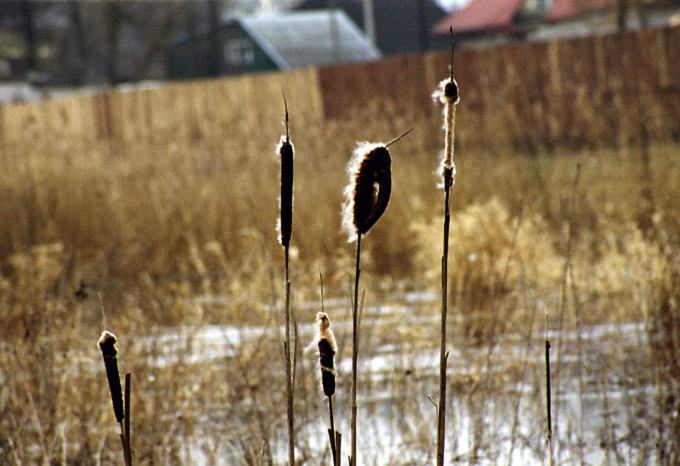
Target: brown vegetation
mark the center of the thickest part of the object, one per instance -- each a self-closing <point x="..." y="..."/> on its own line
<point x="169" y="235"/>
<point x="179" y="235"/>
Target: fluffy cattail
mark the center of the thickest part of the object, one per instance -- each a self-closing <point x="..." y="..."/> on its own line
<point x="447" y="94"/>
<point x="369" y="190"/>
<point x="107" y="345"/>
<point x="286" y="152"/>
<point x="327" y="350"/>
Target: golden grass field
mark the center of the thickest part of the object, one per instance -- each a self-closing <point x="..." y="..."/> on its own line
<point x="180" y="235"/>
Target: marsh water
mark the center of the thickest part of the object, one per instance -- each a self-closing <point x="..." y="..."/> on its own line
<point x="606" y="401"/>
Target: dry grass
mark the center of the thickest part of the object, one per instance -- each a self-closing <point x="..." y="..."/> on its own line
<point x="182" y="235"/>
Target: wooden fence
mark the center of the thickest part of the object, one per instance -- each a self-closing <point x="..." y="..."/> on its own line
<point x="596" y="90"/>
<point x="172" y="112"/>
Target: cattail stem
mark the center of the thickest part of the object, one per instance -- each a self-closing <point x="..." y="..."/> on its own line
<point x="443" y="354"/>
<point x="128" y="378"/>
<point x="125" y="425"/>
<point x="289" y="378"/>
<point x="548" y="398"/>
<point x="367" y="197"/>
<point x="327" y="349"/>
<point x="285" y="226"/>
<point x="449" y="96"/>
<point x="355" y="350"/>
<point x="563" y="297"/>
<point x="331" y="432"/>
<point x="338" y="448"/>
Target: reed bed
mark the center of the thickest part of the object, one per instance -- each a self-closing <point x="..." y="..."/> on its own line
<point x="172" y="237"/>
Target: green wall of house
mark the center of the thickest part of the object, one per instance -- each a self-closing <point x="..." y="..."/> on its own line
<point x="240" y="53"/>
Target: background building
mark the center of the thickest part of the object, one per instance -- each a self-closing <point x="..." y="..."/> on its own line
<point x="400" y="26"/>
<point x="288" y="40"/>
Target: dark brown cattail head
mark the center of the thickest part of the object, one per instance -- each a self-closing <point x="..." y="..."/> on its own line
<point x="285" y="226"/>
<point x="107" y="345"/>
<point x="449" y="93"/>
<point x="327" y="350"/>
<point x="369" y="190"/>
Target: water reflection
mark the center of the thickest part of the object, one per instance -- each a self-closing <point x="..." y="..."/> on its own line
<point x="604" y="391"/>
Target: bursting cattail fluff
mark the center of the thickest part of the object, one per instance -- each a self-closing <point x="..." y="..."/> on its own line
<point x="327" y="350"/>
<point x="286" y="153"/>
<point x="107" y="345"/>
<point x="447" y="94"/>
<point x="369" y="189"/>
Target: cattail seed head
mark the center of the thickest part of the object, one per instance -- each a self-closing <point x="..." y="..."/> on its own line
<point x="285" y="225"/>
<point x="327" y="350"/>
<point x="447" y="94"/>
<point x="368" y="192"/>
<point x="107" y="345"/>
<point x="450" y="92"/>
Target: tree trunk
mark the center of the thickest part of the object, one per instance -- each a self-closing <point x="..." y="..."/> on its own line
<point x="621" y="14"/>
<point x="29" y="35"/>
<point x="77" y="75"/>
<point x="114" y="20"/>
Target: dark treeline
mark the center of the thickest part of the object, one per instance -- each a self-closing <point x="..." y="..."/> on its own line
<point x="85" y="42"/>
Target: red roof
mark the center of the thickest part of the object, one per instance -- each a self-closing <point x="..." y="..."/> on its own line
<point x="480" y="15"/>
<point x="565" y="9"/>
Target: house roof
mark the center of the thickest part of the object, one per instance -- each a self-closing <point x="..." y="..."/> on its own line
<point x="480" y="16"/>
<point x="401" y="26"/>
<point x="309" y="38"/>
<point x="566" y="9"/>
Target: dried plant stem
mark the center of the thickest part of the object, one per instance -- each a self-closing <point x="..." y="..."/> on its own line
<point x="569" y="240"/>
<point x="121" y="404"/>
<point x="355" y="349"/>
<point x="548" y="403"/>
<point x="333" y="434"/>
<point x="289" y="377"/>
<point x="327" y="350"/>
<point x="286" y="153"/>
<point x="125" y="424"/>
<point x="450" y="97"/>
<point x="443" y="354"/>
<point x="332" y="430"/>
<point x="338" y="448"/>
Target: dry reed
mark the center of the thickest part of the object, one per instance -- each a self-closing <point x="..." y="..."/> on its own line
<point x="121" y="409"/>
<point x="448" y="95"/>
<point x="366" y="198"/>
<point x="285" y="226"/>
<point x="548" y="396"/>
<point x="327" y="348"/>
<point x="122" y="222"/>
<point x="107" y="345"/>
